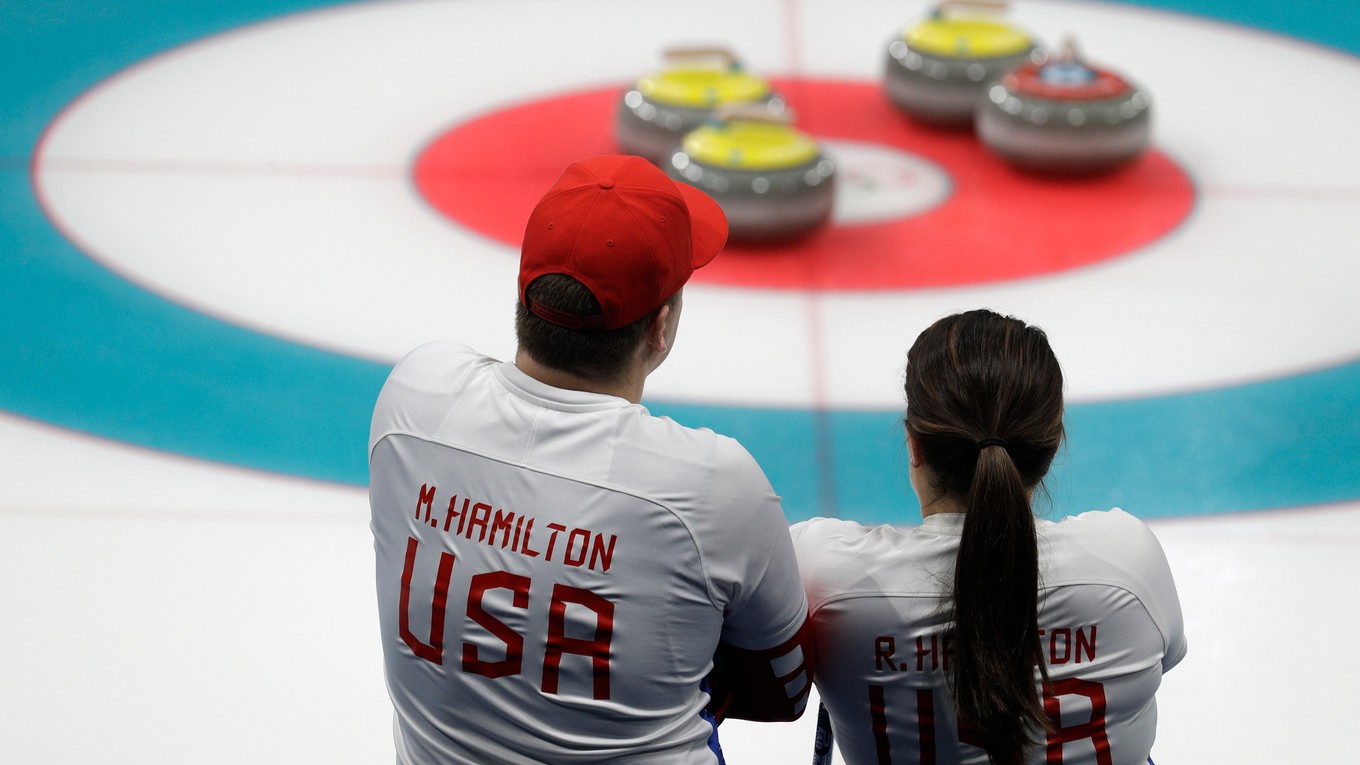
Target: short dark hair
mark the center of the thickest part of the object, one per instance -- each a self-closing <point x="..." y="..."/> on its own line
<point x="597" y="354"/>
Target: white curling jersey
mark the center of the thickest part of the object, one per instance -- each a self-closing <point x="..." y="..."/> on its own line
<point x="555" y="568"/>
<point x="1109" y="620"/>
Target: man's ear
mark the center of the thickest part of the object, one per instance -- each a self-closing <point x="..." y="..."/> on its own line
<point x="656" y="330"/>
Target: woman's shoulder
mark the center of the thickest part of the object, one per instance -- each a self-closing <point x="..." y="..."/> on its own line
<point x="822" y="528"/>
<point x="831" y="534"/>
<point x="1111" y="541"/>
<point x="837" y="555"/>
<point x="1113" y="526"/>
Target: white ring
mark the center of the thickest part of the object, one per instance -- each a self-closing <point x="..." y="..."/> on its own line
<point x="262" y="176"/>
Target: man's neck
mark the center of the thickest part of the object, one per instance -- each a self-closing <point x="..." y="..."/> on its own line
<point x="628" y="386"/>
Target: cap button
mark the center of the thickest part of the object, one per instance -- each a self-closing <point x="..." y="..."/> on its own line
<point x="606" y="184"/>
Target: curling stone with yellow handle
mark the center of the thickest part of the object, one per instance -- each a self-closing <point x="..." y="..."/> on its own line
<point x="773" y="181"/>
<point x="660" y="108"/>
<point x="937" y="70"/>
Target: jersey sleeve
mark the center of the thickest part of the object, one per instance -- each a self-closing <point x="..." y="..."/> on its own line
<point x="768" y="685"/>
<point x="749" y="555"/>
<point x="1155" y="584"/>
<point x="1167" y="611"/>
<point x="763" y="666"/>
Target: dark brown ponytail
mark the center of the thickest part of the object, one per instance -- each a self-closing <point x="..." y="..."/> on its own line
<point x="984" y="404"/>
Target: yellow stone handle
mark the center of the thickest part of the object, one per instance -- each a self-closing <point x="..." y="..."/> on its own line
<point x="964" y="6"/>
<point x="752" y="111"/>
<point x="719" y="55"/>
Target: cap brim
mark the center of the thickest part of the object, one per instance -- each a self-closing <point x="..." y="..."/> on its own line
<point x="708" y="224"/>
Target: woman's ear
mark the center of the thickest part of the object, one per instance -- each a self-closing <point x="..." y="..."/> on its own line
<point x="914" y="451"/>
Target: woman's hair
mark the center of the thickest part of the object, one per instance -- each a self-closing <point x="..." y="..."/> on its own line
<point x="594" y="354"/>
<point x="979" y="377"/>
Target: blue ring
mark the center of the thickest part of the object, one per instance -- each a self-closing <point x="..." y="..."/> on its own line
<point x="84" y="349"/>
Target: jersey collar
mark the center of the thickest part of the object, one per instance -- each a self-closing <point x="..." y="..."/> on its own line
<point x="560" y="399"/>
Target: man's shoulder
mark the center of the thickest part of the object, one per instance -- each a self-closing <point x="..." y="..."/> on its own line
<point x="435" y="367"/>
<point x="686" y="439"/>
<point x="421" y="385"/>
<point x="436" y="354"/>
<point x="693" y="469"/>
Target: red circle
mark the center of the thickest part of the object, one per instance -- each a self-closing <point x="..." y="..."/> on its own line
<point x="998" y="224"/>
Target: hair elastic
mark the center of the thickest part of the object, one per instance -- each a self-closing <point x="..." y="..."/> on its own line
<point x="986" y="442"/>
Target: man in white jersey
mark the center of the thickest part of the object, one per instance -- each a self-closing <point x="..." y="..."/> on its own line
<point x="558" y="571"/>
<point x="1109" y="620"/>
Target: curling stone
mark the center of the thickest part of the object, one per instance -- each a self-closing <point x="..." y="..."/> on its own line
<point x="1065" y="116"/>
<point x="662" y="107"/>
<point x="772" y="180"/>
<point x="937" y="69"/>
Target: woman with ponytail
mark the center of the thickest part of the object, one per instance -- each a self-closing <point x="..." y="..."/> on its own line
<point x="985" y="635"/>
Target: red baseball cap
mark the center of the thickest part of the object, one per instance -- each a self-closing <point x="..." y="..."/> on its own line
<point x="625" y="230"/>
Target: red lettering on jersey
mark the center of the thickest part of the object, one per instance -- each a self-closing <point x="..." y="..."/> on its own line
<point x="931" y="653"/>
<point x="485" y="523"/>
<point x="576" y="560"/>
<point x="558" y="642"/>
<point x="878" y="723"/>
<point x="452" y="513"/>
<point x="528" y="529"/>
<point x="1070" y="644"/>
<point x="426" y="499"/>
<point x="1092" y="729"/>
<point x="514" y="642"/>
<point x="481" y="514"/>
<point x="434" y="650"/>
<point x="552" y="538"/>
<point x="925" y="724"/>
<point x="502" y="524"/>
<point x="600" y="554"/>
<point x="967" y="736"/>
<point x="1055" y="654"/>
<point x="1086" y="643"/>
<point x="884" y="648"/>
